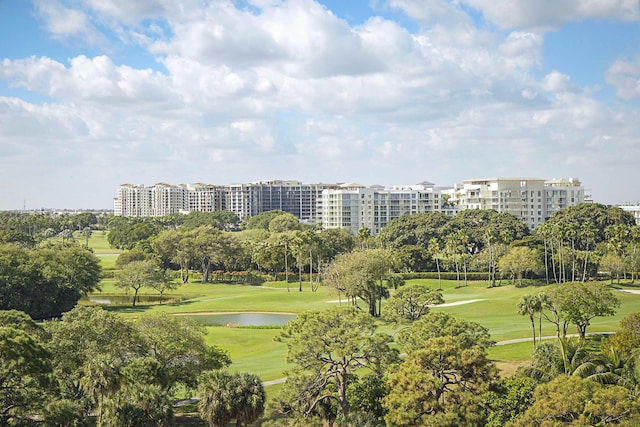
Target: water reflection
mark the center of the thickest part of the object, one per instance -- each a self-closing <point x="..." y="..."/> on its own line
<point x="244" y="319"/>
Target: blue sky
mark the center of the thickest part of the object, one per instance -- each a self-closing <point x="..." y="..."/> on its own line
<point x="97" y="93"/>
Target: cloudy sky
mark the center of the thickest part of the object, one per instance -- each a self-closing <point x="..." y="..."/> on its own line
<point x="97" y="93"/>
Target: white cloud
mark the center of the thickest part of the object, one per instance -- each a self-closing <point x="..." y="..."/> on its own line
<point x="285" y="89"/>
<point x="549" y="14"/>
<point x="624" y="76"/>
<point x="556" y="82"/>
<point x="62" y="21"/>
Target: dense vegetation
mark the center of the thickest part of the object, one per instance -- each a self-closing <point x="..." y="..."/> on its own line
<point x="93" y="366"/>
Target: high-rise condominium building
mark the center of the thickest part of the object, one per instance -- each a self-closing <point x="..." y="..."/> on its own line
<point x="245" y="200"/>
<point x="531" y="200"/>
<point x="354" y="206"/>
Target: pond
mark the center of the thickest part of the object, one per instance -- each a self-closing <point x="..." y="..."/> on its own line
<point x="124" y="299"/>
<point x="244" y="319"/>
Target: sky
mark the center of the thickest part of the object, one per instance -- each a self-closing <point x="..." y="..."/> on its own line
<point x="98" y="93"/>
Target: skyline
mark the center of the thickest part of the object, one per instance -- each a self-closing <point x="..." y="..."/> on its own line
<point x="98" y="93"/>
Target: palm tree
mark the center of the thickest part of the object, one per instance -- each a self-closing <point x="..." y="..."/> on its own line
<point x="588" y="231"/>
<point x="529" y="305"/>
<point x="225" y="397"/>
<point x="66" y="234"/>
<point x="250" y="400"/>
<point x="572" y="357"/>
<point x="434" y="251"/>
<point x="86" y="233"/>
<point x="100" y="377"/>
<point x="215" y="405"/>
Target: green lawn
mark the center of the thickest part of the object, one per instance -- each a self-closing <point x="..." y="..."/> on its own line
<point x="254" y="349"/>
<point x="98" y="242"/>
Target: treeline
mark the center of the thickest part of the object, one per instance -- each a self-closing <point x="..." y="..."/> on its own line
<point x="576" y="244"/>
<point x="30" y="228"/>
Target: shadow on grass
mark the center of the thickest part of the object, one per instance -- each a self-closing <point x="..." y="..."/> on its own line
<point x="141" y="308"/>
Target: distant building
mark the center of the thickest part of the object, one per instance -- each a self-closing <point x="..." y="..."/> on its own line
<point x="354" y="206"/>
<point x="245" y="200"/>
<point x="633" y="210"/>
<point x="530" y="199"/>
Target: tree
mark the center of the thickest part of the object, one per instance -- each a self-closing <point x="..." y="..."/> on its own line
<point x="562" y="400"/>
<point x="165" y="247"/>
<point x="138" y="405"/>
<point x="225" y="397"/>
<point x="132" y="255"/>
<point x="578" y="303"/>
<point x="284" y="240"/>
<point x="179" y="347"/>
<point x="48" y="280"/>
<point x="614" y="264"/>
<point x="185" y="255"/>
<point x="363" y="237"/>
<point x="86" y="233"/>
<point x="285" y="222"/>
<point x="335" y="241"/>
<point x="262" y="220"/>
<point x="438" y="324"/>
<point x="25" y="365"/>
<point x="100" y="377"/>
<point x="360" y="274"/>
<point x="222" y="220"/>
<point x="412" y="258"/>
<point x="511" y="397"/>
<point x="627" y="338"/>
<point x="207" y="242"/>
<point x="570" y="400"/>
<point x="267" y="256"/>
<point x="163" y="284"/>
<point x="411" y="302"/>
<point x="530" y="305"/>
<point x="90" y="342"/>
<point x="434" y="250"/>
<point x="326" y="348"/>
<point x="416" y="229"/>
<point x="127" y="233"/>
<point x="439" y="385"/>
<point x="136" y="275"/>
<point x="520" y="260"/>
<point x="66" y="235"/>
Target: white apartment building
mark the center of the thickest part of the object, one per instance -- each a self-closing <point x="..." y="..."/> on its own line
<point x="245" y="200"/>
<point x="133" y="200"/>
<point x="204" y="197"/>
<point x="530" y="199"/>
<point x="167" y="199"/>
<point x="354" y="206"/>
<point x="157" y="200"/>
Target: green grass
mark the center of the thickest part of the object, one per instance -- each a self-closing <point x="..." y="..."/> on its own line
<point x="98" y="242"/>
<point x="251" y="350"/>
<point x="254" y="349"/>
